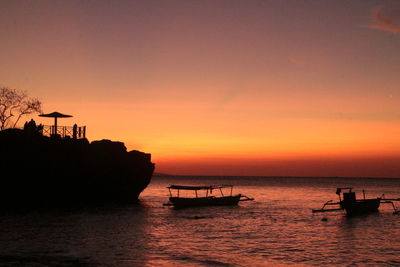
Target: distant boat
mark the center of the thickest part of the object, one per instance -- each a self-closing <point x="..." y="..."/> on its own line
<point x="203" y="196"/>
<point x="353" y="206"/>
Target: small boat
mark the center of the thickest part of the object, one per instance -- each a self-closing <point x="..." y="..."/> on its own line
<point x="203" y="196"/>
<point x="353" y="206"/>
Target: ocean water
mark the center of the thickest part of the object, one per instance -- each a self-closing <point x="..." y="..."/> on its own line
<point x="276" y="229"/>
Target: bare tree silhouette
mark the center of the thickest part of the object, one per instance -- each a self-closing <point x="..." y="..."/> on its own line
<point x="15" y="104"/>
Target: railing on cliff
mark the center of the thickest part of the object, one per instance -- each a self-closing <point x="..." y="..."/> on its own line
<point x="76" y="132"/>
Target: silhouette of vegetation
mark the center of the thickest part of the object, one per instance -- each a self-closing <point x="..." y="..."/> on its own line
<point x="40" y="171"/>
<point x="15" y="104"/>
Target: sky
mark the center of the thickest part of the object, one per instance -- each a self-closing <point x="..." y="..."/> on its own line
<point x="287" y="88"/>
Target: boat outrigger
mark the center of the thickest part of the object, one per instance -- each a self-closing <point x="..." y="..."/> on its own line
<point x="205" y="198"/>
<point x="353" y="206"/>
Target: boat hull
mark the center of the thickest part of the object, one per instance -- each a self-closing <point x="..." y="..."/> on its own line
<point x="180" y="202"/>
<point x="361" y="206"/>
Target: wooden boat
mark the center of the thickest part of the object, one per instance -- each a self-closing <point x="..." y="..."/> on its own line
<point x="353" y="206"/>
<point x="203" y="196"/>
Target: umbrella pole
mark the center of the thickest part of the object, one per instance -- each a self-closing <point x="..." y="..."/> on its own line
<point x="55" y="125"/>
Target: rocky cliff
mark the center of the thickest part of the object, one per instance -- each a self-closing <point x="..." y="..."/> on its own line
<point x="42" y="171"/>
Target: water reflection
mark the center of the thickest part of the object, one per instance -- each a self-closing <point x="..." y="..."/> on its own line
<point x="91" y="237"/>
<point x="278" y="228"/>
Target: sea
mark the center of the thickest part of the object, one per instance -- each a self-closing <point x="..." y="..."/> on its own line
<point x="278" y="228"/>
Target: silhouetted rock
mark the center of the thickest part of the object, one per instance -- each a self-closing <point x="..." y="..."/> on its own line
<point x="39" y="171"/>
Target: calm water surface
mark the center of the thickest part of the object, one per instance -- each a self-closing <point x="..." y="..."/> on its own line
<point x="278" y="228"/>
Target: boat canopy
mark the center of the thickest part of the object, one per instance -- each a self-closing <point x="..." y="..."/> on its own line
<point x="187" y="187"/>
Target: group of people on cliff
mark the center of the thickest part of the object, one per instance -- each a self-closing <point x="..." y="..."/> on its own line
<point x="32" y="128"/>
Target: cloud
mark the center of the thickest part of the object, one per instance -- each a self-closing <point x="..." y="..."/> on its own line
<point x="384" y="21"/>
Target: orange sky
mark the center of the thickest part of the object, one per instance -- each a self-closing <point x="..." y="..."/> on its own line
<point x="227" y="87"/>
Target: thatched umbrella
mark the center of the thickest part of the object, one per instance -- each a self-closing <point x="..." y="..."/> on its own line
<point x="55" y="115"/>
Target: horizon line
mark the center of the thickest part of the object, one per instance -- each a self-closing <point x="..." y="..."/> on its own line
<point x="272" y="176"/>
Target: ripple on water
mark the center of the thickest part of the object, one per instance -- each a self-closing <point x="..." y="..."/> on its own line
<point x="277" y="229"/>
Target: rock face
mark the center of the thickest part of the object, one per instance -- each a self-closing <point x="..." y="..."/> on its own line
<point x="40" y="171"/>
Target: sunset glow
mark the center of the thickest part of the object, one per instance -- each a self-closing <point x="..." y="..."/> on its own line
<point x="299" y="88"/>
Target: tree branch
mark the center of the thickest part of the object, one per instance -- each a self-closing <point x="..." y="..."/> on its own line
<point x="16" y="103"/>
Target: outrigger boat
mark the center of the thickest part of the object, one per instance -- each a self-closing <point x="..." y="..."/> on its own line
<point x="205" y="198"/>
<point x="353" y="206"/>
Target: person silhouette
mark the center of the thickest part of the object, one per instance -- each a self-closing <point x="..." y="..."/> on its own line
<point x="74" y="131"/>
<point x="30" y="126"/>
<point x="39" y="129"/>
